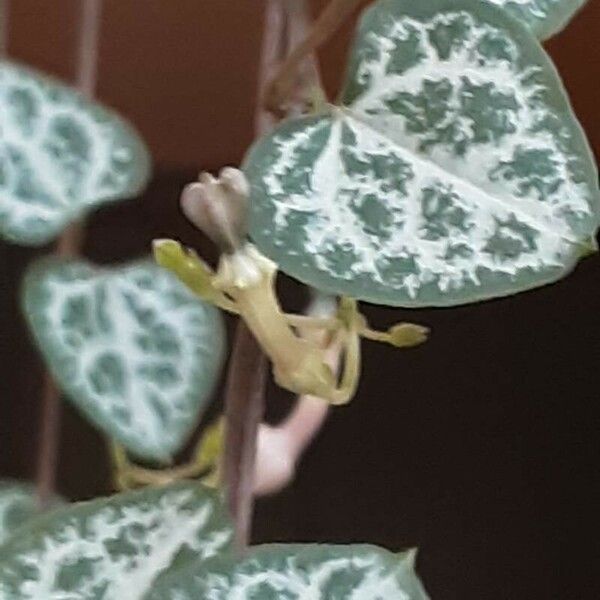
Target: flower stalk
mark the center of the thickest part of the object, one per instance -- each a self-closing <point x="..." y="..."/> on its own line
<point x="244" y="283"/>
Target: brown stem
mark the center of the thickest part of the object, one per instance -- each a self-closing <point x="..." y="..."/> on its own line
<point x="272" y="51"/>
<point x="282" y="85"/>
<point x="4" y="16"/>
<point x="244" y="396"/>
<point x="244" y="408"/>
<point x="48" y="444"/>
<point x="307" y="70"/>
<point x="246" y="377"/>
<point x="68" y="245"/>
<point x="89" y="42"/>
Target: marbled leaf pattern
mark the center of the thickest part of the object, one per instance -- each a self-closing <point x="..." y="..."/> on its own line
<point x="544" y="17"/>
<point x="60" y="156"/>
<point x="18" y="505"/>
<point x="113" y="548"/>
<point x="452" y="169"/>
<point x="297" y="572"/>
<point x="135" y="351"/>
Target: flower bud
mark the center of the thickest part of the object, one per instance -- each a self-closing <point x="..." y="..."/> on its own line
<point x="219" y="207"/>
<point x="406" y="335"/>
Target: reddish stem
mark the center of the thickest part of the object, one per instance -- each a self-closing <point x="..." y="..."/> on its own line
<point x="89" y="42"/>
<point x="246" y="377"/>
<point x="4" y="16"/>
<point x="244" y="397"/>
<point x="307" y="70"/>
<point x="335" y="13"/>
<point x="69" y="245"/>
<point x="272" y="51"/>
<point x="244" y="408"/>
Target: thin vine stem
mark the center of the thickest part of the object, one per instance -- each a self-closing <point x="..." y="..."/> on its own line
<point x="69" y="245"/>
<point x="4" y="17"/>
<point x="89" y="45"/>
<point x="244" y="408"/>
<point x="307" y="69"/>
<point x="278" y="93"/>
<point x="272" y="52"/>
<point x="246" y="378"/>
<point x="285" y="20"/>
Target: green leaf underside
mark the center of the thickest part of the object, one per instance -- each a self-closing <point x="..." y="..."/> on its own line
<point x="60" y="156"/>
<point x="297" y="572"/>
<point x="132" y="348"/>
<point x="17" y="506"/>
<point x="544" y="17"/>
<point x="113" y="548"/>
<point x="452" y="170"/>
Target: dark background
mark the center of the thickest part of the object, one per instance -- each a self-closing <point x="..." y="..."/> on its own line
<point x="480" y="447"/>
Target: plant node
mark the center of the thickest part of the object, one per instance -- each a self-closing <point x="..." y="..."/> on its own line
<point x="244" y="283"/>
<point x="204" y="464"/>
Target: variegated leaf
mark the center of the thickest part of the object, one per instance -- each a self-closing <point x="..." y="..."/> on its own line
<point x="17" y="506"/>
<point x="544" y="17"/>
<point x="297" y="572"/>
<point x="60" y="156"/>
<point x="113" y="548"/>
<point x="136" y="351"/>
<point x="452" y="169"/>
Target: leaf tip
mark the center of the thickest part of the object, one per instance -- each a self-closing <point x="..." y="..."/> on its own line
<point x="589" y="247"/>
<point x="410" y="557"/>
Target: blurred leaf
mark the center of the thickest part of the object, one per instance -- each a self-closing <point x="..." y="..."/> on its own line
<point x="296" y="572"/>
<point x="544" y="17"/>
<point x="113" y="548"/>
<point x="132" y="348"/>
<point x="17" y="506"/>
<point x="60" y="156"/>
<point x="453" y="169"/>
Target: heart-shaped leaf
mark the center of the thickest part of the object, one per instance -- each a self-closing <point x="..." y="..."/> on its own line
<point x="295" y="572"/>
<point x="113" y="548"/>
<point x="452" y="170"/>
<point x="60" y="156"/>
<point x="136" y="351"/>
<point x="544" y="17"/>
<point x="17" y="506"/>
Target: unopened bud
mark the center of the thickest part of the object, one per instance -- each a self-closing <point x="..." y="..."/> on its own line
<point x="275" y="460"/>
<point x="219" y="207"/>
<point x="405" y="335"/>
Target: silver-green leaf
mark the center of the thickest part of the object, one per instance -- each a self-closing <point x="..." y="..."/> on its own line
<point x="297" y="572"/>
<point x="18" y="505"/>
<point x="452" y="169"/>
<point x="132" y="348"/>
<point x="113" y="548"/>
<point x="60" y="156"/>
<point x="544" y="17"/>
